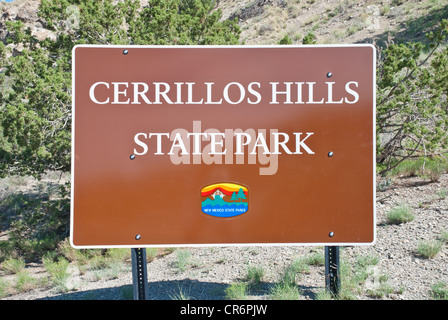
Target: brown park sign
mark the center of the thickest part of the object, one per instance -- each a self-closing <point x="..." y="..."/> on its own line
<point x="221" y="145"/>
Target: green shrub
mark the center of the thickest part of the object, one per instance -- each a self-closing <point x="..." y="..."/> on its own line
<point x="442" y="193"/>
<point x="254" y="276"/>
<point x="310" y="38"/>
<point x="58" y="271"/>
<point x="400" y="214"/>
<point x="316" y="259"/>
<point x="36" y="222"/>
<point x="408" y="168"/>
<point x="285" y="40"/>
<point x="284" y="291"/>
<point x="411" y="116"/>
<point x="434" y="168"/>
<point x="183" y="260"/>
<point x="236" y="291"/>
<point x="439" y="291"/>
<point x="429" y="248"/>
<point x="444" y="236"/>
<point x="4" y="288"/>
<point x="286" y="288"/>
<point x="13" y="266"/>
<point x="25" y="282"/>
<point x="151" y="254"/>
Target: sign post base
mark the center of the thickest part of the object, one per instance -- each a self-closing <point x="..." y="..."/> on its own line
<point x="139" y="274"/>
<point x="332" y="270"/>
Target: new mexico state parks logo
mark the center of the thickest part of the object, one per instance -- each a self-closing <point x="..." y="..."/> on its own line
<point x="225" y="199"/>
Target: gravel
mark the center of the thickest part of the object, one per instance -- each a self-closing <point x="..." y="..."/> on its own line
<point x="207" y="271"/>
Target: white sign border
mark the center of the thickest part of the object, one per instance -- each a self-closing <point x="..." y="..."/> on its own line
<point x="249" y="244"/>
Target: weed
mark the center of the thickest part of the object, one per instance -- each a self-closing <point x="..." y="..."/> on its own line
<point x="381" y="290"/>
<point x="383" y="184"/>
<point x="110" y="270"/>
<point x="183" y="260"/>
<point x="25" y="282"/>
<point x="119" y="254"/>
<point x="151" y="254"/>
<point x="68" y="251"/>
<point x="350" y="282"/>
<point x="13" y="266"/>
<point x="408" y="168"/>
<point x="181" y="294"/>
<point x="442" y="193"/>
<point x="284" y="291"/>
<point x="367" y="260"/>
<point x="339" y="34"/>
<point x="429" y="249"/>
<point x="264" y="28"/>
<point x="168" y="250"/>
<point x="323" y="295"/>
<point x="99" y="263"/>
<point x="400" y="214"/>
<point x="292" y="272"/>
<point x="385" y="9"/>
<point x="311" y="20"/>
<point x="428" y="168"/>
<point x="363" y="274"/>
<point x="4" y="288"/>
<point x="254" y="276"/>
<point x="293" y="10"/>
<point x="286" y="288"/>
<point x="58" y="272"/>
<point x="355" y="28"/>
<point x="434" y="169"/>
<point x="110" y="264"/>
<point x="316" y="259"/>
<point x="439" y="291"/>
<point x="236" y="291"/>
<point x="36" y="222"/>
<point x="444" y="236"/>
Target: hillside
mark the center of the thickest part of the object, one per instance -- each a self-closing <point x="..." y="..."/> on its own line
<point x="334" y="21"/>
<point x="265" y="22"/>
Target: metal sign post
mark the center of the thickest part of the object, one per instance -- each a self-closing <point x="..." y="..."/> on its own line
<point x="332" y="271"/>
<point x="139" y="274"/>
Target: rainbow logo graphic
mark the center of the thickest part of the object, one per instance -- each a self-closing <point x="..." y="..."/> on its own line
<point x="225" y="200"/>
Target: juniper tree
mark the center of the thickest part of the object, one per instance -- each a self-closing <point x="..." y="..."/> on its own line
<point x="412" y="110"/>
<point x="35" y="95"/>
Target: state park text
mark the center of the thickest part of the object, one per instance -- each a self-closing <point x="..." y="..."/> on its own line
<point x="223" y="146"/>
<point x="228" y="147"/>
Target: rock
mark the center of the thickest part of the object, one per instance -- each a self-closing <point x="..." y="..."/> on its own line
<point x="27" y="12"/>
<point x="42" y="34"/>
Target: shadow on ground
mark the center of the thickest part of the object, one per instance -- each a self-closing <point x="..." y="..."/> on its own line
<point x="175" y="290"/>
<point x="158" y="290"/>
